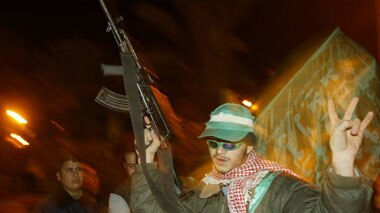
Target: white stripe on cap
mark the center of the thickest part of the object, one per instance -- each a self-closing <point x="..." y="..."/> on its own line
<point x="222" y="117"/>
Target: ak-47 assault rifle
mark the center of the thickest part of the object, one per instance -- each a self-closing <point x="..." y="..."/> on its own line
<point x="140" y="101"/>
<point x="119" y="102"/>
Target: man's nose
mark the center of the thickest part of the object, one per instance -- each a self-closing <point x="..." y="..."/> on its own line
<point x="220" y="150"/>
<point x="76" y="172"/>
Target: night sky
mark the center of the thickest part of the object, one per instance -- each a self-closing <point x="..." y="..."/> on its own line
<point x="195" y="47"/>
<point x="51" y="52"/>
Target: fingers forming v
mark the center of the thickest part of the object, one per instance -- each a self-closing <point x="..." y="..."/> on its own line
<point x="332" y="113"/>
<point x="368" y="118"/>
<point x="351" y="108"/>
<point x="355" y="127"/>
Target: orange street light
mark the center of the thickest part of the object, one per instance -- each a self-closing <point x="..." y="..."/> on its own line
<point x="254" y="107"/>
<point x="20" y="139"/>
<point x="17" y="117"/>
<point x="250" y="105"/>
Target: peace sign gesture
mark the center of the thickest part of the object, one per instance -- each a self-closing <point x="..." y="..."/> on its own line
<point x="346" y="137"/>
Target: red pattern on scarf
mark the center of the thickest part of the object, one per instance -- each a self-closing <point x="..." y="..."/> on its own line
<point x="239" y="175"/>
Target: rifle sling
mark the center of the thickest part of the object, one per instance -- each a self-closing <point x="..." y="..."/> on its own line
<point x="130" y="84"/>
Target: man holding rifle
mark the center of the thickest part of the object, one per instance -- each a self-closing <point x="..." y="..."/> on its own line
<point x="242" y="182"/>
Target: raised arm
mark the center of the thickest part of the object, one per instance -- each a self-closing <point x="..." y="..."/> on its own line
<point x="346" y="137"/>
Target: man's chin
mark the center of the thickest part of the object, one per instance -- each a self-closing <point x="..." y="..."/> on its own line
<point x="222" y="170"/>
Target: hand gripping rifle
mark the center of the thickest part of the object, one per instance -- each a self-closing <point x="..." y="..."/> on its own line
<point x="139" y="101"/>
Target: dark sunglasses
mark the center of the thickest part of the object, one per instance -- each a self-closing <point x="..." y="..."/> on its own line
<point x="226" y="145"/>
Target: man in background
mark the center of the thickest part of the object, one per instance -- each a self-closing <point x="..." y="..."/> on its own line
<point x="69" y="197"/>
<point x="119" y="199"/>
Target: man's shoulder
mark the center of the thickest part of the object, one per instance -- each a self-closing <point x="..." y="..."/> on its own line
<point x="60" y="202"/>
<point x="288" y="178"/>
<point x="46" y="204"/>
<point x="123" y="189"/>
<point x="289" y="182"/>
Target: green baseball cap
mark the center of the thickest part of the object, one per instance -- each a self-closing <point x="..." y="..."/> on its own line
<point x="230" y="122"/>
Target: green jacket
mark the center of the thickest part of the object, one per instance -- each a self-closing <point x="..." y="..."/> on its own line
<point x="285" y="194"/>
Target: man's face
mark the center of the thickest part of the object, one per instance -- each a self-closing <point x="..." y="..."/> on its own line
<point x="225" y="160"/>
<point x="130" y="163"/>
<point x="71" y="176"/>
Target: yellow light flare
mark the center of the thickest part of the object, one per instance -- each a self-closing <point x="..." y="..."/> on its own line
<point x="254" y="107"/>
<point x="20" y="139"/>
<point x="246" y="103"/>
<point x="17" y="117"/>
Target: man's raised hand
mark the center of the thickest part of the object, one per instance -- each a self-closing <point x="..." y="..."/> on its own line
<point x="152" y="142"/>
<point x="346" y="137"/>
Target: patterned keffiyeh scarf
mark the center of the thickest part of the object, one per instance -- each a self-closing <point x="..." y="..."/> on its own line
<point x="244" y="178"/>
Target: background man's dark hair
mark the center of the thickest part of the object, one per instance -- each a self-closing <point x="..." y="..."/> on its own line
<point x="64" y="156"/>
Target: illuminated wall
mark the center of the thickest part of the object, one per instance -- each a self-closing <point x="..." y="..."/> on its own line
<point x="294" y="126"/>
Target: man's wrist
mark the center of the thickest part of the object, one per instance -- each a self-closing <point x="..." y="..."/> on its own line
<point x="343" y="165"/>
<point x="149" y="158"/>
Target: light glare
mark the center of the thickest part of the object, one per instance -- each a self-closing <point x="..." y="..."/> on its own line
<point x="254" y="107"/>
<point x="19" y="139"/>
<point x="17" y="117"/>
<point x="246" y="103"/>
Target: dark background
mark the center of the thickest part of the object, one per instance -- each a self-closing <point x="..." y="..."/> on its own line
<point x="51" y="52"/>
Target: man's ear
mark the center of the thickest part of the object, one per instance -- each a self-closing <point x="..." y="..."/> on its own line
<point x="249" y="149"/>
<point x="58" y="176"/>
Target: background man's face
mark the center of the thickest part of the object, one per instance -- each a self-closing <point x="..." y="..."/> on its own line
<point x="71" y="175"/>
<point x="130" y="163"/>
<point x="224" y="161"/>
